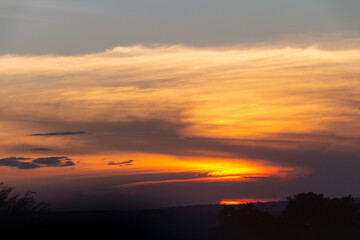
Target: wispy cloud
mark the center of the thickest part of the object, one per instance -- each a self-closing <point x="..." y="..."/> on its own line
<point x="40" y="149"/>
<point x="121" y="164"/>
<point x="58" y="134"/>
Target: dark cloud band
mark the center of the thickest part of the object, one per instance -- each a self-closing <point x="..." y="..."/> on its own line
<point x="40" y="149"/>
<point x="58" y="134"/>
<point x="29" y="163"/>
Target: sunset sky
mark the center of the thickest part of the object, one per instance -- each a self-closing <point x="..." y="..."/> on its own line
<point x="132" y="104"/>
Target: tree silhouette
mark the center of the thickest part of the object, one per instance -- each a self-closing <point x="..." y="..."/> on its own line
<point x="307" y="216"/>
<point x="16" y="210"/>
<point x="312" y="216"/>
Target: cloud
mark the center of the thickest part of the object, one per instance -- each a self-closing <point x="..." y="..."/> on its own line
<point x="67" y="164"/>
<point x="40" y="149"/>
<point x="157" y="136"/>
<point x="121" y="164"/>
<point x="277" y="106"/>
<point x="29" y="163"/>
<point x="58" y="134"/>
<point x="18" y="162"/>
<point x="54" y="161"/>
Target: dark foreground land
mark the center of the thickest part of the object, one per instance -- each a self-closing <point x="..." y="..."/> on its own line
<point x="306" y="216"/>
<point x="191" y="222"/>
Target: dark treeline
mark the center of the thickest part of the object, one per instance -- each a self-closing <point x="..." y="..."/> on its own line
<point x="305" y="216"/>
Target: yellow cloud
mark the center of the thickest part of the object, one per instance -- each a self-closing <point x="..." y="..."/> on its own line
<point x="227" y="93"/>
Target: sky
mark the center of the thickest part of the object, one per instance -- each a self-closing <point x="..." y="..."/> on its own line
<point x="143" y="104"/>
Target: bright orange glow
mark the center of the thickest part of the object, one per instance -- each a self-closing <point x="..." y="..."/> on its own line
<point x="198" y="169"/>
<point x="242" y="201"/>
<point x="222" y="114"/>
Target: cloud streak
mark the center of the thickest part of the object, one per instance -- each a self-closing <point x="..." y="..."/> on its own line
<point x="40" y="149"/>
<point x="121" y="164"/>
<point x="58" y="134"/>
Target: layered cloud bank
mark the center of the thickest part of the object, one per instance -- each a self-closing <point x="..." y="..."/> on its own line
<point x="273" y="111"/>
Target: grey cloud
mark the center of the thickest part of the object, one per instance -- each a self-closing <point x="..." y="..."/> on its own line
<point x="29" y="163"/>
<point x="309" y="150"/>
<point x="125" y="163"/>
<point x="18" y="162"/>
<point x="58" y="134"/>
<point x="40" y="149"/>
<point x="54" y="161"/>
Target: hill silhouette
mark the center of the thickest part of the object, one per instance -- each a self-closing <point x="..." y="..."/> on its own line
<point x="303" y="216"/>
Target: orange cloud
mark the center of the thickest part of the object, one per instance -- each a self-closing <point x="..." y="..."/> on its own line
<point x="229" y="113"/>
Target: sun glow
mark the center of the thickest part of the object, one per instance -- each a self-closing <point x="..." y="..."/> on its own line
<point x="242" y="201"/>
<point x="199" y="170"/>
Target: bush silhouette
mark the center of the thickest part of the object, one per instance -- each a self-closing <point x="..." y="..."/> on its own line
<point x="16" y="210"/>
